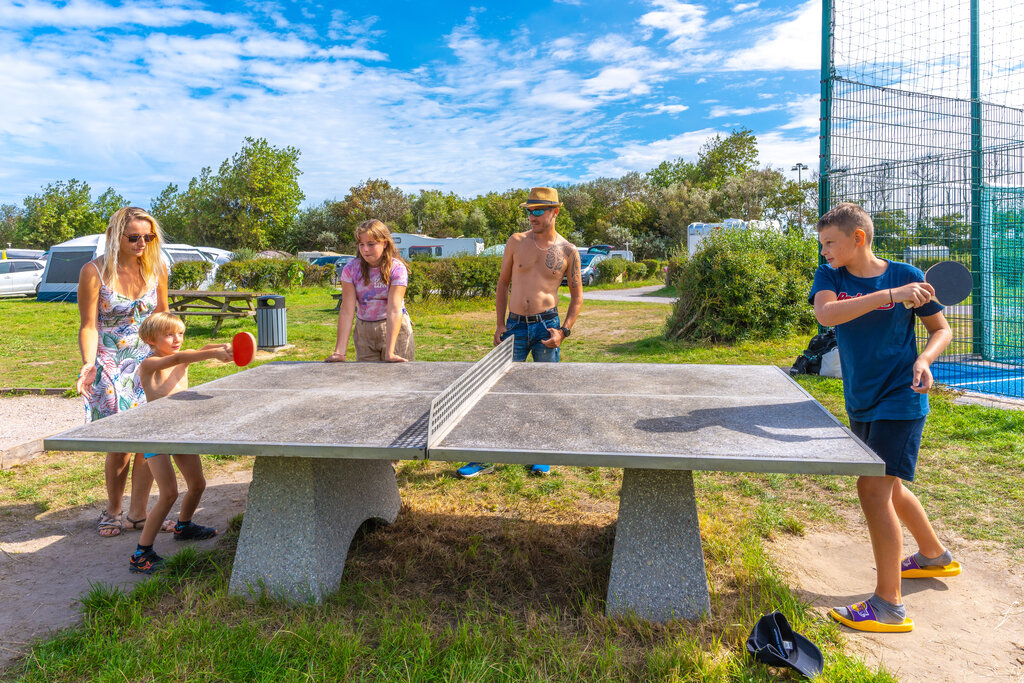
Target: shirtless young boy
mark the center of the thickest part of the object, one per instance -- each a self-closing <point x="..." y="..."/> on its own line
<point x="532" y="268"/>
<point x="162" y="374"/>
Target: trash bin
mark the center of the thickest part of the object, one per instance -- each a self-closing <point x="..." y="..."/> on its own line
<point x="271" y="322"/>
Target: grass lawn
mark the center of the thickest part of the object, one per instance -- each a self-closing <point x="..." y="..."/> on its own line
<point x="499" y="578"/>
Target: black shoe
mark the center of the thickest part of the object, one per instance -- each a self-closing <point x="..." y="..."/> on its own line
<point x="145" y="562"/>
<point x="190" y="531"/>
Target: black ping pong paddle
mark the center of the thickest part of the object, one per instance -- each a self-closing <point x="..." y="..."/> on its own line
<point x="952" y="283"/>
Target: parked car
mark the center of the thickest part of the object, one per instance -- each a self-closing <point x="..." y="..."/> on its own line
<point x="336" y="260"/>
<point x="588" y="272"/>
<point x="20" y="276"/>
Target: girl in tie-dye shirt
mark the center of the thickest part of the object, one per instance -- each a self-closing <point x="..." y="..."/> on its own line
<point x="373" y="293"/>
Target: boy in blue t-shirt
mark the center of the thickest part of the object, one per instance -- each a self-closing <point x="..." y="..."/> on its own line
<point x="885" y="383"/>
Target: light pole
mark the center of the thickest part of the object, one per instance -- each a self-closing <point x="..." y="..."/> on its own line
<point x="799" y="168"/>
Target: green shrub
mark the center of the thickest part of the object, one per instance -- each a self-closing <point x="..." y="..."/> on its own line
<point x="261" y="274"/>
<point x="635" y="270"/>
<point x="674" y="266"/>
<point x="653" y="267"/>
<point x="610" y="269"/>
<point x="744" y="284"/>
<point x="454" y="278"/>
<point x="188" y="274"/>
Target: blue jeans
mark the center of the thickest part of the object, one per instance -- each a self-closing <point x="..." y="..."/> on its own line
<point x="528" y="338"/>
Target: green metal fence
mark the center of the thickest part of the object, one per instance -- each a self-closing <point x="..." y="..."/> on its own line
<point x="923" y="125"/>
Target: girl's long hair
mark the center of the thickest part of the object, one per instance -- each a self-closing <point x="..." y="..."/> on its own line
<point x="378" y="231"/>
<point x="150" y="260"/>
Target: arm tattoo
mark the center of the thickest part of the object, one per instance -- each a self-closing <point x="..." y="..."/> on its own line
<point x="574" y="276"/>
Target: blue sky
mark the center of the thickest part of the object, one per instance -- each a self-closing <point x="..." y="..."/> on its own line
<point x="462" y="97"/>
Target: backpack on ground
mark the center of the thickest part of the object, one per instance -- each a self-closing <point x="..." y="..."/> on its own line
<point x="809" y="362"/>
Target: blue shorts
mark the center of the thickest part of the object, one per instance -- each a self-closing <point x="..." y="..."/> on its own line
<point x="896" y="442"/>
<point x="529" y="338"/>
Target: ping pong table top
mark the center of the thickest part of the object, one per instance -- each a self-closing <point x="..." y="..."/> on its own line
<point x="657" y="416"/>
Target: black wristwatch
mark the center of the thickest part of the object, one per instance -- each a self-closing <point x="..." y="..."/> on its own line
<point x="565" y="331"/>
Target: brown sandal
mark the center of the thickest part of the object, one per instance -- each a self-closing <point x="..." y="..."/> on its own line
<point x="138" y="524"/>
<point x="109" y="522"/>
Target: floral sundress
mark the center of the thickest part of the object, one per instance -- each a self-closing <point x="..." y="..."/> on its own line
<point x="119" y="352"/>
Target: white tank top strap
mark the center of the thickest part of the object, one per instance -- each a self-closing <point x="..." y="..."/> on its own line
<point x="98" y="272"/>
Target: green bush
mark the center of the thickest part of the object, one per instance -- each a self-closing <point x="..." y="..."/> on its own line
<point x="188" y="274"/>
<point x="674" y="266"/>
<point x="744" y="284"/>
<point x="635" y="270"/>
<point x="610" y="269"/>
<point x="454" y="278"/>
<point x="261" y="274"/>
<point x="653" y="267"/>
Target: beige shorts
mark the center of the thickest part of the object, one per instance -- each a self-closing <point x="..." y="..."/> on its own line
<point x="370" y="340"/>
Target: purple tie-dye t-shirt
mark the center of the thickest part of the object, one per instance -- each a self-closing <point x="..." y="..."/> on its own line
<point x="372" y="299"/>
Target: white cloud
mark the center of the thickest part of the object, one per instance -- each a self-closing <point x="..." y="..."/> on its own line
<point x="806" y="113"/>
<point x="90" y="14"/>
<point x="668" y="108"/>
<point x="745" y="6"/>
<point x="791" y="44"/>
<point x="720" y="111"/>
<point x="683" y="23"/>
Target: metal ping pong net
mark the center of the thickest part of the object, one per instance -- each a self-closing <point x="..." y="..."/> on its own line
<point x="452" y="404"/>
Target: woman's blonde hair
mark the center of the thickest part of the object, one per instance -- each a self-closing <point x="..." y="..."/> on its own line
<point x="157" y="324"/>
<point x="150" y="260"/>
<point x="378" y="231"/>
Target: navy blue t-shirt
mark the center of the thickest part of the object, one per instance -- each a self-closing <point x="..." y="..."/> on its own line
<point x="877" y="350"/>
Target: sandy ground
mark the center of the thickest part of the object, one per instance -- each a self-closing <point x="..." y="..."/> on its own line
<point x="966" y="628"/>
<point x="47" y="564"/>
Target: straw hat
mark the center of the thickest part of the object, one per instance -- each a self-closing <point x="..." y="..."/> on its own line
<point x="541" y="197"/>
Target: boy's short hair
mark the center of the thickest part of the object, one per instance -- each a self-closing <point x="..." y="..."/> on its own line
<point x="159" y="323"/>
<point x="848" y="217"/>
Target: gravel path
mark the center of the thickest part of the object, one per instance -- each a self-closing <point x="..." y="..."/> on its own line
<point x="27" y="418"/>
<point x="635" y="295"/>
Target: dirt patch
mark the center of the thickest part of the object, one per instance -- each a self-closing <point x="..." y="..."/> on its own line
<point x="48" y="561"/>
<point x="966" y="628"/>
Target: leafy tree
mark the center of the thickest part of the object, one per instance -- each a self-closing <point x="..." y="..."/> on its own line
<point x="10" y="225"/>
<point x="315" y="221"/>
<point x="252" y="201"/>
<point x="64" y="210"/>
<point x="718" y="159"/>
<point x="107" y="204"/>
<point x="373" y="198"/>
<point x="260" y="194"/>
<point x="503" y="214"/>
<point x="327" y="240"/>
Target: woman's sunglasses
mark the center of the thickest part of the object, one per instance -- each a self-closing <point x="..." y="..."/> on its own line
<point x="135" y="238"/>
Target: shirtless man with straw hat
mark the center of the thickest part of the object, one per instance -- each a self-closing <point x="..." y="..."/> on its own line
<point x="534" y="264"/>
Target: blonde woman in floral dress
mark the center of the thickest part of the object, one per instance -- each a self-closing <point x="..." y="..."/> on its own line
<point x="116" y="292"/>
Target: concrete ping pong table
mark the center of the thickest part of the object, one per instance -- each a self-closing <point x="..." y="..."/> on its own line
<point x="324" y="436"/>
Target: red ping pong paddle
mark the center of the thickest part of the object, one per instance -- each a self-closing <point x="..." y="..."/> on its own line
<point x="243" y="348"/>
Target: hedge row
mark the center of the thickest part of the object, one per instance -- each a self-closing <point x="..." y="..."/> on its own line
<point x="454" y="278"/>
<point x="272" y="273"/>
<point x="609" y="270"/>
<point x="188" y="274"/>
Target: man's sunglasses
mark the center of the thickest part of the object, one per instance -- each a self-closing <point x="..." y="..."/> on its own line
<point x="135" y="238"/>
<point x="536" y="212"/>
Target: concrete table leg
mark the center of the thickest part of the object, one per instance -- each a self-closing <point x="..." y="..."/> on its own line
<point x="300" y="517"/>
<point x="658" y="564"/>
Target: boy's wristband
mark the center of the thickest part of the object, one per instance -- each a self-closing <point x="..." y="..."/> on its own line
<point x="890" y="295"/>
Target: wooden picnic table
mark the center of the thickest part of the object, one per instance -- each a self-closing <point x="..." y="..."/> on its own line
<point x="217" y="305"/>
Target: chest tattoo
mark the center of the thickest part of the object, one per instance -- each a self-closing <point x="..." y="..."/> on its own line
<point x="554" y="259"/>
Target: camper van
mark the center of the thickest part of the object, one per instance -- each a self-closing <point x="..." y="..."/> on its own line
<point x="60" y="279"/>
<point x="410" y="245"/>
